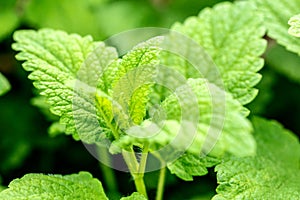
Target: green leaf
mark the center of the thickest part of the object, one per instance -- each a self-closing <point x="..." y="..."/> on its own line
<point x="133" y="77"/>
<point x="189" y="165"/>
<point x="230" y="129"/>
<point x="273" y="173"/>
<point x="294" y="22"/>
<point x="222" y="120"/>
<point x="48" y="187"/>
<point x="232" y="34"/>
<point x="64" y="73"/>
<point x="4" y="85"/>
<point x="134" y="196"/>
<point x="276" y="20"/>
<point x="142" y="55"/>
<point x="56" y="128"/>
<point x="8" y="17"/>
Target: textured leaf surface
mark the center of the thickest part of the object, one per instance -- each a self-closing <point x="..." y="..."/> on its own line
<point x="57" y="64"/>
<point x="294" y="22"/>
<point x="231" y="131"/>
<point x="48" y="187"/>
<point x="189" y="165"/>
<point x="133" y="77"/>
<point x="276" y="16"/>
<point x="222" y="120"/>
<point x="274" y="173"/>
<point x="4" y="85"/>
<point x="134" y="196"/>
<point x="232" y="36"/>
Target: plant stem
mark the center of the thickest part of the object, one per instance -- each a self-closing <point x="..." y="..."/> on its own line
<point x="140" y="185"/>
<point x="143" y="159"/>
<point x="161" y="183"/>
<point x="137" y="170"/>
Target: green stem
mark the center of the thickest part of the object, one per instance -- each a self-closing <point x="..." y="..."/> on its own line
<point x="131" y="161"/>
<point x="161" y="179"/>
<point x="137" y="170"/>
<point x="144" y="159"/>
<point x="161" y="183"/>
<point x="140" y="185"/>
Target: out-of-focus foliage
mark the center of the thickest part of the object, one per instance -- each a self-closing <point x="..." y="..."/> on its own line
<point x="4" y="85"/>
<point x="1" y="187"/>
<point x="99" y="18"/>
<point x="9" y="19"/>
<point x="284" y="62"/>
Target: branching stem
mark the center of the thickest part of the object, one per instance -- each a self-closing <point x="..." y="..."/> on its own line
<point x="136" y="169"/>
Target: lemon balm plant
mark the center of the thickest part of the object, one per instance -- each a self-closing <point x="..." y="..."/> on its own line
<point x="174" y="102"/>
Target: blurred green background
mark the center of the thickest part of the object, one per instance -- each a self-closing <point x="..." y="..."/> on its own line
<point x="25" y="144"/>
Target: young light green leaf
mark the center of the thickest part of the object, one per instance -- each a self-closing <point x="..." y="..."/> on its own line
<point x="272" y="174"/>
<point x="231" y="33"/>
<point x="133" y="78"/>
<point x="143" y="54"/>
<point x="131" y="92"/>
<point x="48" y="187"/>
<point x="294" y="22"/>
<point x="4" y="85"/>
<point x="134" y="196"/>
<point x="60" y="69"/>
<point x="276" y="20"/>
<point x="189" y="165"/>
